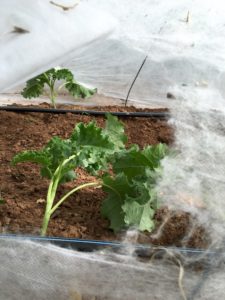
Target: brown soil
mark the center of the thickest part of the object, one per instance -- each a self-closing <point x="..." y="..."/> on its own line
<point x="23" y="190"/>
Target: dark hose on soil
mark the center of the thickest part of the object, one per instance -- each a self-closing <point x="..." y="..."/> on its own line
<point x="152" y="114"/>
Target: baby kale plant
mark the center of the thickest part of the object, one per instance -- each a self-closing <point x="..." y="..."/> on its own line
<point x="35" y="87"/>
<point x="89" y="147"/>
<point x="128" y="176"/>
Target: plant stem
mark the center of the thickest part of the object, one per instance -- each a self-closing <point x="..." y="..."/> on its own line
<point x="50" y="210"/>
<point x="62" y="85"/>
<point x="45" y="222"/>
<point x="50" y="199"/>
<point x="96" y="183"/>
<point x="52" y="189"/>
<point x="51" y="83"/>
<point x="52" y="95"/>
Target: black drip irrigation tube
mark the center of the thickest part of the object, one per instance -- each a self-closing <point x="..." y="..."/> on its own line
<point x="151" y="114"/>
<point x="93" y="245"/>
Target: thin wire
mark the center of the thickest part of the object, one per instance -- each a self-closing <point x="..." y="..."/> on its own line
<point x="135" y="78"/>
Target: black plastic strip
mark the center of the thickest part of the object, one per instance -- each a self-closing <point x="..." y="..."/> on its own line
<point x="152" y="114"/>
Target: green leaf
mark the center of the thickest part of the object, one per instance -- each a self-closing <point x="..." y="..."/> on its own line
<point x="155" y="154"/>
<point x="41" y="157"/>
<point x="142" y="192"/>
<point x="50" y="157"/>
<point x="131" y="162"/>
<point x="114" y="129"/>
<point x="136" y="172"/>
<point x="117" y="189"/>
<point x="79" y="91"/>
<point x="139" y="209"/>
<point x="64" y="74"/>
<point x="138" y="215"/>
<point x="58" y="150"/>
<point x="128" y="204"/>
<point x="90" y="135"/>
<point x="34" y="87"/>
<point x="136" y="162"/>
<point x="93" y="147"/>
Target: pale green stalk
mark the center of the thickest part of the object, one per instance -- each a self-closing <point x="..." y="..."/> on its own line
<point x="52" y="189"/>
<point x="52" y="95"/>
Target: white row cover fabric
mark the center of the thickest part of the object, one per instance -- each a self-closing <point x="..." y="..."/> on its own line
<point x="184" y="41"/>
<point x="37" y="35"/>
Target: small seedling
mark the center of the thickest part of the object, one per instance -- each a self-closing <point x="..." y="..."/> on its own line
<point x="128" y="176"/>
<point x="36" y="86"/>
<point x="89" y="147"/>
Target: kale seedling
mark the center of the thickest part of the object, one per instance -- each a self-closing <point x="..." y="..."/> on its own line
<point x="130" y="184"/>
<point x="89" y="147"/>
<point x="35" y="86"/>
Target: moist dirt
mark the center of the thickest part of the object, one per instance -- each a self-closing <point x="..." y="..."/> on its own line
<point x="23" y="191"/>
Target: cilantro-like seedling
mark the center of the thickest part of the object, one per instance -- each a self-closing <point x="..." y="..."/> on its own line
<point x="35" y="87"/>
<point x="88" y="147"/>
